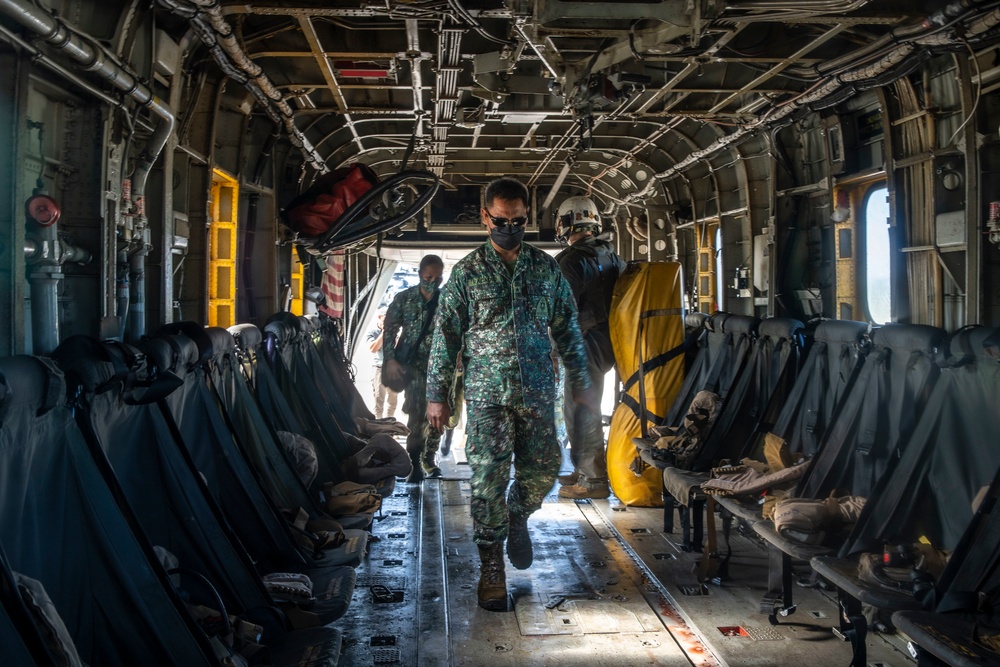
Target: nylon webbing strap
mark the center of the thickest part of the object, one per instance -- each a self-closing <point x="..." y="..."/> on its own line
<point x="711" y="565"/>
<point x="643" y="429"/>
<point x="660" y="312"/>
<point x="639" y="411"/>
<point x="662" y="358"/>
<point x="712" y="383"/>
<point x="705" y="564"/>
<point x="742" y="349"/>
<point x="805" y="383"/>
<point x="871" y="410"/>
<point x="5" y="398"/>
<point x="992" y="345"/>
<point x="53" y="393"/>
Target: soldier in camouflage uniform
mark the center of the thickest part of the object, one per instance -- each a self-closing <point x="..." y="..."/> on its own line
<point x="497" y="309"/>
<point x="413" y="309"/>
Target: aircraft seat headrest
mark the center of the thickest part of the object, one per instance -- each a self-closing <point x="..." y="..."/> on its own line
<point x="716" y="320"/>
<point x="780" y="327"/>
<point x="740" y="324"/>
<point x="909" y="337"/>
<point x="247" y="336"/>
<point x="842" y="331"/>
<point x="174" y="353"/>
<point x="92" y="363"/>
<point x="31" y="382"/>
<point x="695" y="320"/>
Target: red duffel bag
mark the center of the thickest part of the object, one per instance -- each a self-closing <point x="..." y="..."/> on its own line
<point x="317" y="209"/>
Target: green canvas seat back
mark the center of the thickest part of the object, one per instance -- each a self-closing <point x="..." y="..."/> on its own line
<point x="167" y="496"/>
<point x="112" y="595"/>
<point x="710" y="345"/>
<point x="834" y="361"/>
<point x="762" y="385"/>
<point x="207" y="440"/>
<point x="229" y="373"/>
<point x="950" y="457"/>
<point x="876" y="419"/>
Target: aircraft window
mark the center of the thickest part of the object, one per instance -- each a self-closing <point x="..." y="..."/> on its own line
<point x="877" y="257"/>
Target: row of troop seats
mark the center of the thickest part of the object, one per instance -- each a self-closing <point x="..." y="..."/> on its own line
<point x="873" y="455"/>
<point x="201" y="499"/>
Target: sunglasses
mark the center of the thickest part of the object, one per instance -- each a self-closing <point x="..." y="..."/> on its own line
<point x="519" y="221"/>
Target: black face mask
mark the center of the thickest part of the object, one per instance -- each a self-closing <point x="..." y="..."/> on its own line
<point x="507" y="237"/>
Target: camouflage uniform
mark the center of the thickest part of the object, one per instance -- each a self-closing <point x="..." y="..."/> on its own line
<point x="409" y="310"/>
<point x="499" y="317"/>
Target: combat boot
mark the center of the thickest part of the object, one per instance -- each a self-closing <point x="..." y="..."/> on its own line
<point x="570" y="479"/>
<point x="586" y="489"/>
<point x="519" y="542"/>
<point x="492" y="578"/>
<point x="417" y="473"/>
<point x="431" y="471"/>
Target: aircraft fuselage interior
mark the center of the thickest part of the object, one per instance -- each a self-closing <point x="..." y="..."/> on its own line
<point x="230" y="230"/>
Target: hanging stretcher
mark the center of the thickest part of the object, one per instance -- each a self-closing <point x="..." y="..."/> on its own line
<point x="647" y="332"/>
<point x="351" y="204"/>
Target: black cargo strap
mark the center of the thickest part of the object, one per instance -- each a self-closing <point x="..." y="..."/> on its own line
<point x="715" y="373"/>
<point x="814" y="390"/>
<point x="740" y="350"/>
<point x="663" y="358"/>
<point x="643" y="430"/>
<point x="54" y="393"/>
<point x="872" y="408"/>
<point x="5" y="399"/>
<point x="136" y="390"/>
<point x="992" y="345"/>
<point x="639" y="411"/>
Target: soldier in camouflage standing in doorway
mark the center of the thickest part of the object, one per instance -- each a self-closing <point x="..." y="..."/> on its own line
<point x="413" y="311"/>
<point x="498" y="308"/>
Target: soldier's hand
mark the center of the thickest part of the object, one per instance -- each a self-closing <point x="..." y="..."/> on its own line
<point x="588" y="398"/>
<point x="438" y="415"/>
<point x="393" y="370"/>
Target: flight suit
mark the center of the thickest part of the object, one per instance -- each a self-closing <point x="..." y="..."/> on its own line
<point x="499" y="318"/>
<point x="410" y="312"/>
<point x="591" y="268"/>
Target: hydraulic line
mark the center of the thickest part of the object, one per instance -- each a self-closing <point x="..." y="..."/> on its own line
<point x="214" y="30"/>
<point x="892" y="64"/>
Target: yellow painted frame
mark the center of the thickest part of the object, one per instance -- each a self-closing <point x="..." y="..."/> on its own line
<point x="708" y="300"/>
<point x="297" y="285"/>
<point x="222" y="241"/>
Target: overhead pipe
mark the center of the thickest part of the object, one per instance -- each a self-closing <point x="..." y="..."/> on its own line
<point x="211" y="26"/>
<point x="861" y="78"/>
<point x="93" y="57"/>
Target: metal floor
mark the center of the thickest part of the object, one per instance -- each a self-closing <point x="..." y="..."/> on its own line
<point x="607" y="588"/>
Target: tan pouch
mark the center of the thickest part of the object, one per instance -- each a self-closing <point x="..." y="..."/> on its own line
<point x="351" y="498"/>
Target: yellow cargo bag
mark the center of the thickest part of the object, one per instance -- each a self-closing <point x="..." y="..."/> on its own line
<point x="647" y="321"/>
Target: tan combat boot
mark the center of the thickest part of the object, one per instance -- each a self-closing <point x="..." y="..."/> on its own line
<point x="492" y="578"/>
<point x="585" y="489"/>
<point x="569" y="479"/>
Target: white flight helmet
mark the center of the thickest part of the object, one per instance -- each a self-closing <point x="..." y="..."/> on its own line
<point x="577" y="214"/>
